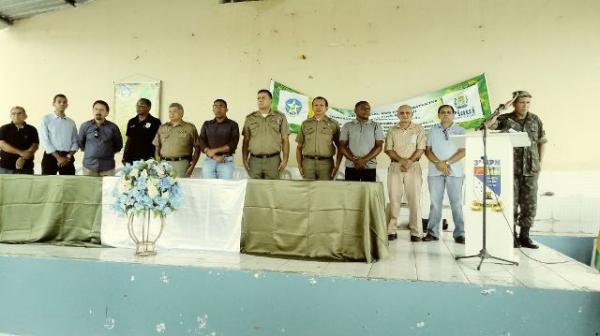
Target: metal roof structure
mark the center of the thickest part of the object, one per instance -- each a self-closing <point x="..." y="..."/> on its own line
<point x="13" y="10"/>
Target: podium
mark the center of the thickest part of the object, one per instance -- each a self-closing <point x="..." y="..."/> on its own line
<point x="498" y="190"/>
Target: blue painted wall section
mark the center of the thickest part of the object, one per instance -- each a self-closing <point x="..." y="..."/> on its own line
<point x="578" y="248"/>
<point x="70" y="297"/>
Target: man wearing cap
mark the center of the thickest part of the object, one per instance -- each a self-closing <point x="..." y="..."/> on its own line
<point x="177" y="142"/>
<point x="266" y="147"/>
<point x="318" y="142"/>
<point x="527" y="161"/>
<point x="404" y="144"/>
<point x="18" y="143"/>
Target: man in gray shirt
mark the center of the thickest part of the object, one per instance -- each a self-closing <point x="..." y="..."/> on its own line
<point x="99" y="139"/>
<point x="361" y="140"/>
<point x="58" y="136"/>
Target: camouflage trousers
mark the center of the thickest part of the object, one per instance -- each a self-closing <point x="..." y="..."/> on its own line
<point x="525" y="199"/>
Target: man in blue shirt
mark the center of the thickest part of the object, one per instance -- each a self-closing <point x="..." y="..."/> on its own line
<point x="58" y="136"/>
<point x="445" y="172"/>
<point x="99" y="139"/>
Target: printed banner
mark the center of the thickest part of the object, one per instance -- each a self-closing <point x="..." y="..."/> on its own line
<point x="493" y="183"/>
<point x="126" y="96"/>
<point x="469" y="98"/>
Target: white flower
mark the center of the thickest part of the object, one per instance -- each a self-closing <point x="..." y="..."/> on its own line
<point x="144" y="173"/>
<point x="134" y="172"/>
<point x="124" y="186"/>
<point x="152" y="191"/>
<point x="160" y="171"/>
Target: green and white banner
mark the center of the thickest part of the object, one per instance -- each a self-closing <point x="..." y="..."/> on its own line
<point x="469" y="98"/>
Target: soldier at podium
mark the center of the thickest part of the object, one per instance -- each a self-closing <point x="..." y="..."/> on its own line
<point x="527" y="161"/>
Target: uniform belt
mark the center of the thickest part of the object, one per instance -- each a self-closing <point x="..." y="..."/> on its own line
<point x="316" y="157"/>
<point x="405" y="159"/>
<point x="264" y="156"/>
<point x="181" y="158"/>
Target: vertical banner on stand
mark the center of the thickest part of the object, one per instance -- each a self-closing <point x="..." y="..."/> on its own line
<point x="126" y="96"/>
<point x="469" y="98"/>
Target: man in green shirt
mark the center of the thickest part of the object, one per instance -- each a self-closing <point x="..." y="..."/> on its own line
<point x="527" y="161"/>
<point x="318" y="141"/>
<point x="266" y="147"/>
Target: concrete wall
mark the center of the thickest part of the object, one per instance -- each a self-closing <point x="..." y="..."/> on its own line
<point x="382" y="51"/>
<point x="83" y="297"/>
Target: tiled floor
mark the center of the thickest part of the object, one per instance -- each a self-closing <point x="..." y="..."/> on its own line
<point x="431" y="261"/>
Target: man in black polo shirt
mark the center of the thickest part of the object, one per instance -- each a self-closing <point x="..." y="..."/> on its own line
<point x="141" y="130"/>
<point x="18" y="143"/>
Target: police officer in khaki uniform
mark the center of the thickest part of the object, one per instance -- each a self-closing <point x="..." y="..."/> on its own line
<point x="176" y="141"/>
<point x="265" y="139"/>
<point x="404" y="144"/>
<point x="318" y="141"/>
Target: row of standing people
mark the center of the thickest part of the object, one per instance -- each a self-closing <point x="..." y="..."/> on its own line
<point x="321" y="145"/>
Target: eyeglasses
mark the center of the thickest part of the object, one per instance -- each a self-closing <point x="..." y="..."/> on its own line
<point x="445" y="131"/>
<point x="96" y="132"/>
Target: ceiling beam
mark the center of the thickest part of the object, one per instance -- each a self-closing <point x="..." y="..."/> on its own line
<point x="71" y="2"/>
<point x="6" y="19"/>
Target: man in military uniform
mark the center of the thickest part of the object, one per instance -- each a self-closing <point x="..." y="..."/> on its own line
<point x="527" y="161"/>
<point x="176" y="141"/>
<point x="265" y="139"/>
<point x="318" y="141"/>
<point x="404" y="144"/>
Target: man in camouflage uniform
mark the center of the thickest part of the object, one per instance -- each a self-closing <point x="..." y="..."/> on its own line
<point x="265" y="139"/>
<point x="527" y="161"/>
<point x="318" y="141"/>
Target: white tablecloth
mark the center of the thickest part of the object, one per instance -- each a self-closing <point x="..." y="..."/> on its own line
<point x="209" y="218"/>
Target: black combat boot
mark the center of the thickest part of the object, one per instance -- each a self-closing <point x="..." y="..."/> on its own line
<point x="525" y="240"/>
<point x="516" y="242"/>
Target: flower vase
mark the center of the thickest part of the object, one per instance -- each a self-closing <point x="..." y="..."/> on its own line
<point x="143" y="234"/>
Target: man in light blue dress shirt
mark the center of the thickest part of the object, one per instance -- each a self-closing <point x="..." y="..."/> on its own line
<point x="58" y="136"/>
<point x="445" y="172"/>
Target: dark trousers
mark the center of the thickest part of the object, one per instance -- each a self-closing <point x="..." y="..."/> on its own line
<point x="364" y="175"/>
<point x="525" y="200"/>
<point x="50" y="165"/>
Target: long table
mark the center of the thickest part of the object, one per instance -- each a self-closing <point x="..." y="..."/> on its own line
<point x="320" y="219"/>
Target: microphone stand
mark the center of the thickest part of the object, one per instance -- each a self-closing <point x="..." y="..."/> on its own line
<point x="483" y="253"/>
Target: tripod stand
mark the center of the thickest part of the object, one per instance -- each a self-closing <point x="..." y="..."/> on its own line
<point x="483" y="253"/>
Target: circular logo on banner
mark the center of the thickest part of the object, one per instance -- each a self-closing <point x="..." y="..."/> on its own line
<point x="461" y="101"/>
<point x="293" y="106"/>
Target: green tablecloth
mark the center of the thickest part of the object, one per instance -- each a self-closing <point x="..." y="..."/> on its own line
<point x="57" y="209"/>
<point x="320" y="219"/>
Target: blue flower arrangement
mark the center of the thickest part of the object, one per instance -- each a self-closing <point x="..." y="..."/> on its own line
<point x="147" y="185"/>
